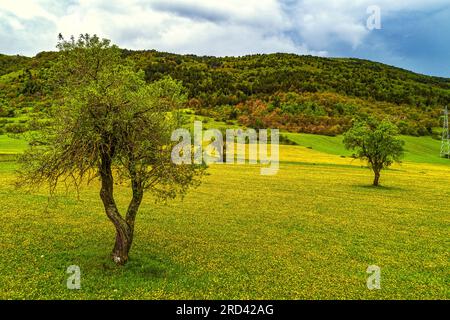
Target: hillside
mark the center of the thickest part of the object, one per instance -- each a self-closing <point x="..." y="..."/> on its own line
<point x="295" y="93"/>
<point x="417" y="149"/>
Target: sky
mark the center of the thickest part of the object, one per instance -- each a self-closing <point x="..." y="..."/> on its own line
<point x="411" y="34"/>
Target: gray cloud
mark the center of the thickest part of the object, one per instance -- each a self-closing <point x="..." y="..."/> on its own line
<point x="231" y="27"/>
<point x="191" y="11"/>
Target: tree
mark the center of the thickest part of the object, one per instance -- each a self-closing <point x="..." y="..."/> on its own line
<point x="375" y="142"/>
<point x="112" y="125"/>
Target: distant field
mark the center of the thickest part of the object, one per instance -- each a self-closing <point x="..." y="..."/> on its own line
<point x="309" y="232"/>
<point x="417" y="149"/>
<point x="10" y="145"/>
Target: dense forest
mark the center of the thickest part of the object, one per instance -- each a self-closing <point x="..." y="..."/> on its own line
<point x="286" y="91"/>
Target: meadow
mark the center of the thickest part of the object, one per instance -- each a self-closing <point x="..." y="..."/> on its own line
<point x="309" y="232"/>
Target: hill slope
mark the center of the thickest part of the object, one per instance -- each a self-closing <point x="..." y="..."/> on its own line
<point x="417" y="149"/>
<point x="296" y="93"/>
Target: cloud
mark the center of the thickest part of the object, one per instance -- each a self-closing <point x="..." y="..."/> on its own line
<point x="218" y="27"/>
<point x="191" y="11"/>
<point x="202" y="27"/>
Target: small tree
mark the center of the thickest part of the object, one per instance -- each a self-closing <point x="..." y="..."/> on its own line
<point x="111" y="125"/>
<point x="375" y="142"/>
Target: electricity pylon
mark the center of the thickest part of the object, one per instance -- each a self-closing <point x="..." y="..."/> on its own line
<point x="445" y="144"/>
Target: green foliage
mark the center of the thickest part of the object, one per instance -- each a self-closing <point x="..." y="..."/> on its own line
<point x="375" y="142"/>
<point x="6" y="112"/>
<point x="299" y="93"/>
<point x="12" y="63"/>
<point x="304" y="93"/>
<point x="108" y="107"/>
<point x="15" y="128"/>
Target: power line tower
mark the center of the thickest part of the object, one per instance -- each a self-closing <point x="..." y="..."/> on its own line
<point x="445" y="144"/>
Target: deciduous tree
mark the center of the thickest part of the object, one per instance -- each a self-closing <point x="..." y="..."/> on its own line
<point x="112" y="125"/>
<point x="376" y="142"/>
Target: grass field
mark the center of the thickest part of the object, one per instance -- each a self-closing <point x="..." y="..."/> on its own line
<point x="417" y="149"/>
<point x="11" y="146"/>
<point x="309" y="232"/>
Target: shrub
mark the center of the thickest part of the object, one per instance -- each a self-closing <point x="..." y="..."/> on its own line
<point x="7" y="112"/>
<point x="15" y="128"/>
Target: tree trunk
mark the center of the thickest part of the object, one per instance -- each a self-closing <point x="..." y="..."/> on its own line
<point x="131" y="214"/>
<point x="122" y="246"/>
<point x="376" y="178"/>
<point x="124" y="227"/>
<point x="123" y="233"/>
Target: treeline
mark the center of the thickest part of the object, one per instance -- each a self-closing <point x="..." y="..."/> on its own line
<point x="302" y="93"/>
<point x="292" y="92"/>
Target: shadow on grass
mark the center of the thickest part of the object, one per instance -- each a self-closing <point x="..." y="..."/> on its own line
<point x="323" y="164"/>
<point x="137" y="266"/>
<point x="149" y="268"/>
<point x="377" y="188"/>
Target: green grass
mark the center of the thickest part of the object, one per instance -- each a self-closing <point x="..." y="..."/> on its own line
<point x="423" y="149"/>
<point x="210" y="123"/>
<point x="332" y="145"/>
<point x="417" y="149"/>
<point x="9" y="145"/>
<point x="309" y="232"/>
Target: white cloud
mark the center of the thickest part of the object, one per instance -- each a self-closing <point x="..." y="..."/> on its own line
<point x="203" y="27"/>
<point x="26" y="9"/>
<point x="213" y="27"/>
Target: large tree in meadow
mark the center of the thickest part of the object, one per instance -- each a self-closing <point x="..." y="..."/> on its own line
<point x="376" y="142"/>
<point x="110" y="125"/>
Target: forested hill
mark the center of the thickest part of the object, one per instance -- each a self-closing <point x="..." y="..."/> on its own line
<point x="292" y="92"/>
